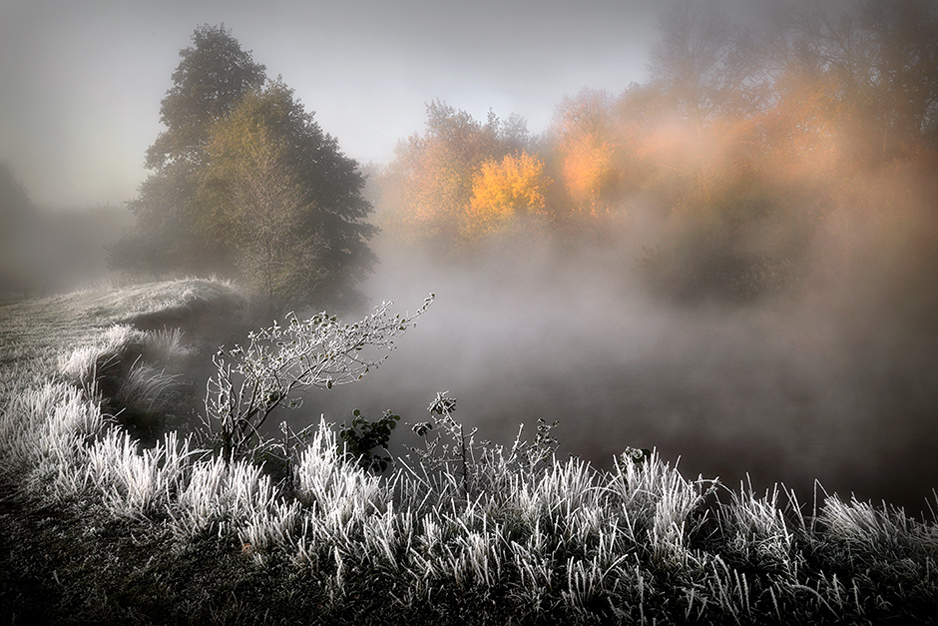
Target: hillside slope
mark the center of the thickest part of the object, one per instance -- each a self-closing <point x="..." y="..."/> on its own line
<point x="34" y="332"/>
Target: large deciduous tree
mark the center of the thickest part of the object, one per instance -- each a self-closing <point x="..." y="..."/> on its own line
<point x="584" y="132"/>
<point x="246" y="185"/>
<point x="690" y="59"/>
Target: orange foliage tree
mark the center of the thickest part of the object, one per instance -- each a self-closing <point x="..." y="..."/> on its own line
<point x="745" y="144"/>
<point x="587" y="147"/>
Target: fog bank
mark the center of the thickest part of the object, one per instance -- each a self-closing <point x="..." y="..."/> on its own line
<point x="817" y="385"/>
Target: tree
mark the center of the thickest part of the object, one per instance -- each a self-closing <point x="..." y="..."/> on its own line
<point x="17" y="226"/>
<point x="904" y="36"/>
<point x="504" y="191"/>
<point x="246" y="185"/>
<point x="210" y="80"/>
<point x="690" y="58"/>
<point x="429" y="186"/>
<point x="258" y="209"/>
<point x="585" y="128"/>
<point x="874" y="72"/>
<point x="15" y="205"/>
<point x="285" y="202"/>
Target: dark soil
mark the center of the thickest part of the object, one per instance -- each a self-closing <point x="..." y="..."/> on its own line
<point x="66" y="564"/>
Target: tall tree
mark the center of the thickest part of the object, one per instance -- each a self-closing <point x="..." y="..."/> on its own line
<point x="245" y="184"/>
<point x="584" y="129"/>
<point x="904" y="36"/>
<point x="872" y="73"/>
<point x="210" y="80"/>
<point x="690" y="58"/>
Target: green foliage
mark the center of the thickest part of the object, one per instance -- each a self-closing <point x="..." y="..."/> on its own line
<point x="210" y="80"/>
<point x="636" y="455"/>
<point x="363" y="436"/>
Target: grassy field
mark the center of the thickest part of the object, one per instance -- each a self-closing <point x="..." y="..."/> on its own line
<point x="112" y="511"/>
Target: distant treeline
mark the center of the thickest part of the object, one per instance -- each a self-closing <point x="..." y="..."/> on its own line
<point x="752" y="158"/>
<point x="757" y="159"/>
<point x="44" y="252"/>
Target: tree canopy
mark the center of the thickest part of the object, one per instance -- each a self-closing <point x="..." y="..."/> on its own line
<point x="430" y="186"/>
<point x="505" y="191"/>
<point x="748" y="143"/>
<point x="210" y="80"/>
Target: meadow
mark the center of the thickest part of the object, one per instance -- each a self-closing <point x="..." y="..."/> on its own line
<point x="116" y="508"/>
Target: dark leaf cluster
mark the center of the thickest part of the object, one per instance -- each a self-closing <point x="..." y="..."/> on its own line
<point x="365" y="440"/>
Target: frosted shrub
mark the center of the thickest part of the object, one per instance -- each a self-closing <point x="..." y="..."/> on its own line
<point x="251" y="382"/>
<point x="450" y="448"/>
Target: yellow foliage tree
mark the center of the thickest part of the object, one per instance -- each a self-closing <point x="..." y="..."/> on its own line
<point x="504" y="190"/>
<point x="428" y="186"/>
<point x="284" y="203"/>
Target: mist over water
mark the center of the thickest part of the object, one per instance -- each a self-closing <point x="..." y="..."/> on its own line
<point x="833" y="379"/>
<point x="788" y="390"/>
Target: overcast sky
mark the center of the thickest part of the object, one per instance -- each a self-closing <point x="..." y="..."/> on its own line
<point x="82" y="80"/>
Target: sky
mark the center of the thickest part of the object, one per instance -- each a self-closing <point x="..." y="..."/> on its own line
<point x="82" y="81"/>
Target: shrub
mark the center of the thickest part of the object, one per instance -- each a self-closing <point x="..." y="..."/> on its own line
<point x="441" y="455"/>
<point x="452" y="452"/>
<point x="363" y="436"/>
<point x="251" y="382"/>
